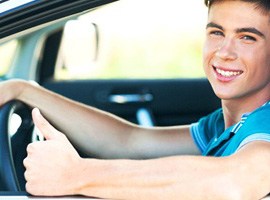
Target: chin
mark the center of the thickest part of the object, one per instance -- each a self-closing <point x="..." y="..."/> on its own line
<point x="225" y="95"/>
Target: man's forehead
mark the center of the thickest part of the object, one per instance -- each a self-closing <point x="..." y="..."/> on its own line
<point x="229" y="18"/>
<point x="260" y="7"/>
<point x="244" y="12"/>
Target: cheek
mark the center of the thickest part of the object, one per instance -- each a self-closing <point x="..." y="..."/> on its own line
<point x="209" y="50"/>
<point x="258" y="67"/>
<point x="247" y="53"/>
<point x="256" y="60"/>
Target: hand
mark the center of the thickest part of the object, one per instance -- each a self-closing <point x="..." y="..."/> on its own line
<point x="51" y="165"/>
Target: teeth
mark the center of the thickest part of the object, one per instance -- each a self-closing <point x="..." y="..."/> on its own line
<point x="227" y="73"/>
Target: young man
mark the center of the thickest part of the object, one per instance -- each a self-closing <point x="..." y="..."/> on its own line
<point x="235" y="139"/>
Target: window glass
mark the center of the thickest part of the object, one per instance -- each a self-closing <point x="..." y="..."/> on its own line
<point x="7" y="53"/>
<point x="135" y="39"/>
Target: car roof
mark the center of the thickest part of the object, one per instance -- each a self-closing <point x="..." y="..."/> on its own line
<point x="20" y="15"/>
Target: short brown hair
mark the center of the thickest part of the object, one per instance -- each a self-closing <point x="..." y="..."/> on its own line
<point x="263" y="5"/>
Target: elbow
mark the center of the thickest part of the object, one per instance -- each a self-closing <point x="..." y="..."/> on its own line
<point x="228" y="187"/>
<point x="238" y="193"/>
<point x="234" y="189"/>
<point x="229" y="193"/>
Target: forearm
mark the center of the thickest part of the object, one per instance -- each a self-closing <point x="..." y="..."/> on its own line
<point x="87" y="127"/>
<point x="101" y="133"/>
<point x="166" y="178"/>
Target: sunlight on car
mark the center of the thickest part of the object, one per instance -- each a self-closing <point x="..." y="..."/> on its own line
<point x="7" y="53"/>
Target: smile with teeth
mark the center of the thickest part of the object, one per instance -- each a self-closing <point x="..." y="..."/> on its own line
<point x="228" y="73"/>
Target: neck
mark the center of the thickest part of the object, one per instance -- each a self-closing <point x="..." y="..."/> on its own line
<point x="234" y="109"/>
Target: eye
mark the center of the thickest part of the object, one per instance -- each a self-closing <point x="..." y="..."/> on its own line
<point x="216" y="33"/>
<point x="248" y="38"/>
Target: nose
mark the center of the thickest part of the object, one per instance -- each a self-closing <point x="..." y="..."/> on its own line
<point x="226" y="50"/>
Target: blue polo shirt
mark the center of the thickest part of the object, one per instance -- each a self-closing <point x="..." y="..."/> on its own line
<point x="211" y="138"/>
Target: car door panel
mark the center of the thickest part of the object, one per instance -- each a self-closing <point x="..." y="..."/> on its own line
<point x="163" y="102"/>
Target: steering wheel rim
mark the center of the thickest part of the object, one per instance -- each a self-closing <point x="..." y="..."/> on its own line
<point x="8" y="174"/>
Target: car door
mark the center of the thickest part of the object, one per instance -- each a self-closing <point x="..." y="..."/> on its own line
<point x="145" y="102"/>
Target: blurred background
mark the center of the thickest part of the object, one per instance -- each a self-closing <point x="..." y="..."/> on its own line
<point x="130" y="39"/>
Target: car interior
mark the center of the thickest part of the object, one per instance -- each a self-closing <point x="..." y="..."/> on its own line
<point x="106" y="54"/>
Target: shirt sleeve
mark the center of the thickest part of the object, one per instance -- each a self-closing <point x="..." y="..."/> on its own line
<point x="198" y="137"/>
<point x="255" y="137"/>
<point x="205" y="129"/>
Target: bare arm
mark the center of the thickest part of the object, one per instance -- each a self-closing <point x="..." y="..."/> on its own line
<point x="95" y="131"/>
<point x="244" y="175"/>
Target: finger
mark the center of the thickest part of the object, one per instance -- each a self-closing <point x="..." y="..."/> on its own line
<point x="44" y="127"/>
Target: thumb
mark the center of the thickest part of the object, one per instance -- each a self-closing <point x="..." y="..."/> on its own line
<point x="45" y="128"/>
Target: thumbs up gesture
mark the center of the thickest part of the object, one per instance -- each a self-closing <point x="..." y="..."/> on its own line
<point x="51" y="165"/>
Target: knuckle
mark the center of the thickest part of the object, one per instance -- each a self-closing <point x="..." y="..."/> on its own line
<point x="25" y="162"/>
<point x="27" y="187"/>
<point x="31" y="185"/>
<point x="30" y="189"/>
<point x="30" y="147"/>
<point x="26" y="175"/>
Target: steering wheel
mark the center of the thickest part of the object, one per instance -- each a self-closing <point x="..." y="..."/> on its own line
<point x="12" y="155"/>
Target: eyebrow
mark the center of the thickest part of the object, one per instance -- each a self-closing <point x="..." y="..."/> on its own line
<point x="238" y="30"/>
<point x="214" y="25"/>
<point x="250" y="30"/>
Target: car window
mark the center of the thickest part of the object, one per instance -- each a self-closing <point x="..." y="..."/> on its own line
<point x="7" y="6"/>
<point x="7" y="54"/>
<point x="135" y="39"/>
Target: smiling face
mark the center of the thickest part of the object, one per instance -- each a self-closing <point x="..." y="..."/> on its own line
<point x="237" y="51"/>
